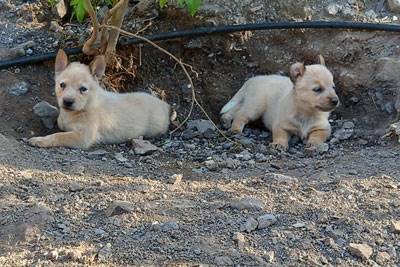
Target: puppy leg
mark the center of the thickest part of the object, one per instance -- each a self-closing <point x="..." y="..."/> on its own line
<point x="317" y="137"/>
<point x="280" y="139"/>
<point x="239" y="122"/>
<point x="67" y="139"/>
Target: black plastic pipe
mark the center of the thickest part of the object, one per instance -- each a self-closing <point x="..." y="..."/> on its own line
<point x="219" y="29"/>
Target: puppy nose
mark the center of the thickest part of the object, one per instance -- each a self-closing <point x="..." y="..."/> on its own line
<point x="68" y="102"/>
<point x="334" y="101"/>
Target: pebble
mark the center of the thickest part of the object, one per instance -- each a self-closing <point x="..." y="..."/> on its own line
<point x="223" y="261"/>
<point x="143" y="147"/>
<point x="249" y="226"/>
<point x="247" y="203"/>
<point x="270" y="256"/>
<point x="75" y="187"/>
<point x="119" y="207"/>
<point x="18" y="89"/>
<point x="170" y="226"/>
<point x="240" y="240"/>
<point x="362" y="251"/>
<point x="175" y="179"/>
<point x="266" y="220"/>
<point x="394" y="5"/>
<point x="55" y="27"/>
<point x="333" y="8"/>
<point x="120" y="157"/>
<point x="395" y="227"/>
<point x="382" y="257"/>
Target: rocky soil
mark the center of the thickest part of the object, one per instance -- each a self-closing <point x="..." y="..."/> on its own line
<point x="196" y="199"/>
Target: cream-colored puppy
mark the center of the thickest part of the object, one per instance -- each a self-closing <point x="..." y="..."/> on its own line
<point x="89" y="114"/>
<point x="301" y="107"/>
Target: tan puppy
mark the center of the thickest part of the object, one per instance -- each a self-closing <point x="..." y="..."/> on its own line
<point x="286" y="109"/>
<point x="89" y="114"/>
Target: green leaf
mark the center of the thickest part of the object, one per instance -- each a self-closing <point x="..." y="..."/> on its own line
<point x="79" y="10"/>
<point x="181" y="3"/>
<point x="163" y="3"/>
<point x="193" y="6"/>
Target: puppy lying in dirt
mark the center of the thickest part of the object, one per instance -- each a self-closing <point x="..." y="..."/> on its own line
<point x="299" y="107"/>
<point x="89" y="114"/>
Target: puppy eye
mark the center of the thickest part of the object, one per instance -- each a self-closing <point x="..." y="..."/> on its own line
<point x="83" y="89"/>
<point x="317" y="89"/>
<point x="62" y="85"/>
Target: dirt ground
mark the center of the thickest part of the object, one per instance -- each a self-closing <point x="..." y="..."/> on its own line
<point x="202" y="201"/>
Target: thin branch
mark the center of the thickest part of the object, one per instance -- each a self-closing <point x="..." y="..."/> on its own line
<point x="194" y="99"/>
<point x="88" y="46"/>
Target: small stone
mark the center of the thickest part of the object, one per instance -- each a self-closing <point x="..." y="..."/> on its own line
<point x="240" y="240"/>
<point x="53" y="255"/>
<point x="55" y="27"/>
<point x="250" y="225"/>
<point x="176" y="179"/>
<point x="266" y="220"/>
<point x="343" y="134"/>
<point x="211" y="165"/>
<point x="395" y="227"/>
<point x="329" y="242"/>
<point x="120" y="157"/>
<point x="47" y="113"/>
<point x="200" y="126"/>
<point x="299" y="225"/>
<point x="143" y="147"/>
<point x="333" y="8"/>
<point x="170" y="226"/>
<point x="105" y="253"/>
<point x="61" y="8"/>
<point x="97" y="154"/>
<point x="119" y="207"/>
<point x="281" y="178"/>
<point x="362" y="251"/>
<point x="75" y="187"/>
<point x="248" y="203"/>
<point x="18" y="89"/>
<point x="382" y="257"/>
<point x="74" y="254"/>
<point x="348" y="125"/>
<point x="223" y="261"/>
<point x="270" y="256"/>
<point x="100" y="232"/>
<point x="371" y="14"/>
<point x="394" y="5"/>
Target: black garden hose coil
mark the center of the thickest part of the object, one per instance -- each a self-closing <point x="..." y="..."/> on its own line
<point x="215" y="30"/>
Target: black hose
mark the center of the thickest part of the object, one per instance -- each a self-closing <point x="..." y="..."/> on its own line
<point x="218" y="29"/>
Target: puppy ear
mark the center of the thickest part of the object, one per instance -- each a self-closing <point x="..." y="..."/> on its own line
<point x="321" y="60"/>
<point x="98" y="66"/>
<point x="296" y="71"/>
<point x="61" y="61"/>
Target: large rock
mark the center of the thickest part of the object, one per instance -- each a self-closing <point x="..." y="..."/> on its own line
<point x="47" y="113"/>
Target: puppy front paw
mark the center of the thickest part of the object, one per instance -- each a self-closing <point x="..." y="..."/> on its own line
<point x="39" y="142"/>
<point x="278" y="147"/>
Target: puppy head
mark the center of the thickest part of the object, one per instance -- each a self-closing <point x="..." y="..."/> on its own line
<point x="76" y="83"/>
<point x="314" y="88"/>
